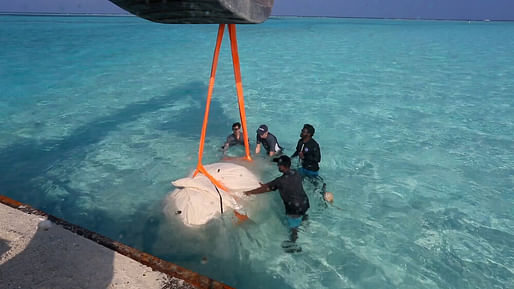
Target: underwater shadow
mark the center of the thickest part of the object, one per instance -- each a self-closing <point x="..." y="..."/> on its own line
<point x="22" y="162"/>
<point x="188" y="123"/>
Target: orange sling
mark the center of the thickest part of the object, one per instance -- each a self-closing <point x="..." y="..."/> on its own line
<point x="240" y="97"/>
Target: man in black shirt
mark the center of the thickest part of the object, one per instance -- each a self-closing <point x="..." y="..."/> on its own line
<point x="291" y="191"/>
<point x="308" y="151"/>
<point x="268" y="141"/>
<point x="236" y="138"/>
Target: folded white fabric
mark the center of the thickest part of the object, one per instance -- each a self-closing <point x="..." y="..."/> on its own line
<point x="196" y="201"/>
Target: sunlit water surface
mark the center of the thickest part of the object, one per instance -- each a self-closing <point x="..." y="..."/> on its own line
<point x="415" y="121"/>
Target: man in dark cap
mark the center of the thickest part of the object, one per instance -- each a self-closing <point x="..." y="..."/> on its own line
<point x="294" y="197"/>
<point x="308" y="151"/>
<point x="268" y="141"/>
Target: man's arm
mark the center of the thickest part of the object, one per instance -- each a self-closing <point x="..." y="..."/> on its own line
<point x="257" y="145"/>
<point x="271" y="186"/>
<point x="259" y="190"/>
<point x="313" y="155"/>
<point x="318" y="154"/>
<point x="258" y="148"/>
<point x="227" y="142"/>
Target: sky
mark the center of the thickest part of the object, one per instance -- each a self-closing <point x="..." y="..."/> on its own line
<point x="427" y="9"/>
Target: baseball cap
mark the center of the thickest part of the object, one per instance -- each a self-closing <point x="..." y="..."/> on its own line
<point x="262" y="129"/>
<point x="283" y="161"/>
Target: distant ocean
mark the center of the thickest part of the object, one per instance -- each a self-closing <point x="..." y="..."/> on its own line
<point x="415" y="121"/>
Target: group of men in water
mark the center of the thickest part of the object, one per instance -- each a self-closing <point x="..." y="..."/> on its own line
<point x="289" y="184"/>
<point x="307" y="149"/>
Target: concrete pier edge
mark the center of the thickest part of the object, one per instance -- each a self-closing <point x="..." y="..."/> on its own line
<point x="157" y="264"/>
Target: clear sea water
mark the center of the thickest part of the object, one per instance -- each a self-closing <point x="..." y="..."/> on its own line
<point x="414" y="118"/>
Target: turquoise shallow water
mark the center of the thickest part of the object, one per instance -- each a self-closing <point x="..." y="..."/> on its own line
<point x="415" y="121"/>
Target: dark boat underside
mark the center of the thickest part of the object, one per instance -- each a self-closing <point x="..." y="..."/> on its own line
<point x="199" y="11"/>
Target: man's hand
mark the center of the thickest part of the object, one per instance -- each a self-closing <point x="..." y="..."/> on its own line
<point x="259" y="190"/>
<point x="300" y="155"/>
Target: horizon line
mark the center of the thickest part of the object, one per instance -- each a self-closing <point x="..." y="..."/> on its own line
<point x="299" y="16"/>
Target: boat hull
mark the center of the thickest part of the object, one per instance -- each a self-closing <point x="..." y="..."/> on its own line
<point x="199" y="11"/>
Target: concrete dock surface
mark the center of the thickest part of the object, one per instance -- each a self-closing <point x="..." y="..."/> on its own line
<point x="41" y="251"/>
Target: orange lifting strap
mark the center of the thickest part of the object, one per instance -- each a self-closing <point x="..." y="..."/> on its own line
<point x="240" y="98"/>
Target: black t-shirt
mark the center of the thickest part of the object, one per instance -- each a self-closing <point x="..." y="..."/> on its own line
<point x="270" y="143"/>
<point x="232" y="140"/>
<point x="291" y="191"/>
<point x="311" y="154"/>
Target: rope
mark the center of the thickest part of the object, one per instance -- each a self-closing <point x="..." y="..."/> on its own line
<point x="221" y="199"/>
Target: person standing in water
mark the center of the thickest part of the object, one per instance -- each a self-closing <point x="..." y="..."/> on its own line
<point x="268" y="141"/>
<point x="308" y="151"/>
<point x="294" y="197"/>
<point x="236" y="138"/>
